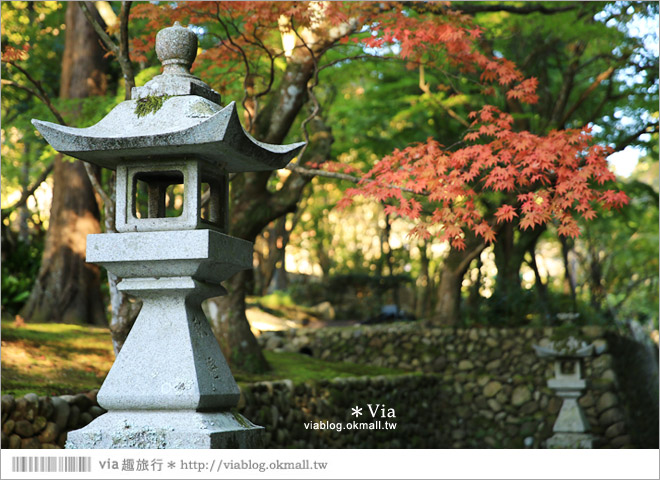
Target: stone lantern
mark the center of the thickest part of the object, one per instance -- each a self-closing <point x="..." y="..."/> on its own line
<point x="170" y="386"/>
<point x="571" y="427"/>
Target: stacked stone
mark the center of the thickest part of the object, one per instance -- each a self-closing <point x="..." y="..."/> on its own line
<point x="43" y="422"/>
<point x="493" y="384"/>
<point x="487" y="390"/>
<point x="603" y="406"/>
<point x="284" y="408"/>
<point x="465" y="406"/>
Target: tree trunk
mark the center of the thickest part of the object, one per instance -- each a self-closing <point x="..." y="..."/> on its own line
<point x="231" y="328"/>
<point x="253" y="205"/>
<point x="541" y="288"/>
<point x="270" y="255"/>
<point x="569" y="282"/>
<point x="281" y="279"/>
<point x="596" y="287"/>
<point x="474" y="295"/>
<point x="423" y="282"/>
<point x="253" y="208"/>
<point x="447" y="311"/>
<point x="23" y="211"/>
<point x="67" y="289"/>
<point x="509" y="257"/>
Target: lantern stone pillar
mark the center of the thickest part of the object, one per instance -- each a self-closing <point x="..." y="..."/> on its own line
<point x="571" y="429"/>
<point x="170" y="386"/>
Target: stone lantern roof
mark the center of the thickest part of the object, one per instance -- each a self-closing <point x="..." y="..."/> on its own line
<point x="174" y="116"/>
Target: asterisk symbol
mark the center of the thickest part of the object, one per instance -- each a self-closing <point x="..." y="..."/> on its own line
<point x="171" y="464"/>
<point x="357" y="411"/>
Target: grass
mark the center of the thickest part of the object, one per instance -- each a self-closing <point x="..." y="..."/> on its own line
<point x="300" y="368"/>
<point x="58" y="359"/>
<point x="54" y="359"/>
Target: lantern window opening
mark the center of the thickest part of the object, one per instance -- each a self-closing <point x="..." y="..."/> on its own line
<point x="162" y="196"/>
<point x="215" y="211"/>
<point x="158" y="194"/>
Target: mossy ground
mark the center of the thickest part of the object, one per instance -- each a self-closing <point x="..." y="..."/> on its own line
<point x="54" y="359"/>
<point x="58" y="359"/>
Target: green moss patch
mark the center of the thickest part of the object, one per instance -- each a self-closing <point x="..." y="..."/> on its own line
<point x="150" y="104"/>
<point x="300" y="368"/>
<point x="54" y="358"/>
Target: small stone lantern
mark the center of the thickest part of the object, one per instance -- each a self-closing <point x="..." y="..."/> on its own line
<point x="571" y="427"/>
<point x="170" y="386"/>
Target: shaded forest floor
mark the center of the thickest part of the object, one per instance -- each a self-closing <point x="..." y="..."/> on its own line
<point x="57" y="359"/>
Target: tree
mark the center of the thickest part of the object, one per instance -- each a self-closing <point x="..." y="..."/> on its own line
<point x="624" y="286"/>
<point x="67" y="289"/>
<point x="534" y="182"/>
<point x="281" y="61"/>
<point x="582" y="60"/>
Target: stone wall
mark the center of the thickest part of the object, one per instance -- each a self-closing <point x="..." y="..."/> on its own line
<point x="284" y="409"/>
<point x="467" y="388"/>
<point x="43" y="422"/>
<point x="494" y="391"/>
<point x="281" y="407"/>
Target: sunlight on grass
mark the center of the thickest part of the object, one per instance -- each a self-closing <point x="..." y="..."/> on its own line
<point x="300" y="368"/>
<point x="57" y="359"/>
<point x="54" y="359"/>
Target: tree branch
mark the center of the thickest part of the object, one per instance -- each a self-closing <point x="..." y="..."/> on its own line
<point x="626" y="141"/>
<point x="124" y="49"/>
<point x="100" y="31"/>
<point x="310" y="91"/>
<point x="121" y="51"/>
<point x="243" y="55"/>
<point x="271" y="73"/>
<point x="314" y="172"/>
<point x="426" y="88"/>
<point x="568" y="82"/>
<point x="96" y="184"/>
<point x="29" y="192"/>
<point x="606" y="98"/>
<point x="588" y="91"/>
<point x="40" y="93"/>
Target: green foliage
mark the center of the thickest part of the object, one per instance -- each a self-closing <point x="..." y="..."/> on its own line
<point x="622" y="283"/>
<point x="19" y="271"/>
<point x="277" y="299"/>
<point x="375" y="106"/>
<point x="22" y="24"/>
<point x="150" y="104"/>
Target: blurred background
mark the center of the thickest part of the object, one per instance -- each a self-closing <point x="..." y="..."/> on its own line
<point x="314" y="264"/>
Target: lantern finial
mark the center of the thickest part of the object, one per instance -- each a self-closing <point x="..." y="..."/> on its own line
<point x="176" y="48"/>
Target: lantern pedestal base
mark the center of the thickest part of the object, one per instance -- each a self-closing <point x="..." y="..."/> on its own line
<point x="570" y="440"/>
<point x="170" y="386"/>
<point x="167" y="429"/>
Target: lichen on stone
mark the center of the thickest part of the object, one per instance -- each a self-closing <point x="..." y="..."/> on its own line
<point x="239" y="418"/>
<point x="200" y="109"/>
<point x="149" y="104"/>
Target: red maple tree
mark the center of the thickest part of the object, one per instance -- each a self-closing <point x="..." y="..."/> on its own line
<point x="542" y="178"/>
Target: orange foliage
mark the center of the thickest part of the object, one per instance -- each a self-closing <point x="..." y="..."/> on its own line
<point x="542" y="178"/>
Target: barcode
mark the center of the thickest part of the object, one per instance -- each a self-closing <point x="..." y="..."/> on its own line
<point x="51" y="464"/>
